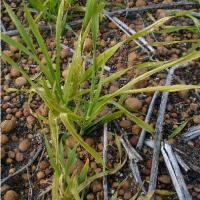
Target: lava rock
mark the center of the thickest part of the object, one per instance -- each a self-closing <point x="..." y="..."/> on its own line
<point x="11" y="195"/>
<point x="133" y="103"/>
<point x="20" y="81"/>
<point x="24" y="145"/>
<point x="8" y="125"/>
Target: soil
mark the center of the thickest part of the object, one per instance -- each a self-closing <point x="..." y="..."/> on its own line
<point x="22" y="135"/>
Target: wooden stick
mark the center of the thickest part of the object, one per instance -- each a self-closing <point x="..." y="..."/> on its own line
<point x="42" y="28"/>
<point x="191" y="133"/>
<point x="175" y="172"/>
<point x="126" y="30"/>
<point x="150" y="8"/>
<point x="147" y="120"/>
<point x="105" y="144"/>
<point x="158" y="134"/>
<point x="186" y="167"/>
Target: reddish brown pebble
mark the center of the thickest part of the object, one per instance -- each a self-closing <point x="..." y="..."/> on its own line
<point x="97" y="186"/>
<point x="183" y="94"/>
<point x="88" y="44"/>
<point x="24" y="145"/>
<point x="90" y="141"/>
<point x="70" y="142"/>
<point x="132" y="57"/>
<point x="19" y="157"/>
<point x="126" y="185"/>
<point x="133" y="140"/>
<point x="11" y="195"/>
<point x="43" y="165"/>
<point x="21" y="81"/>
<point x="133" y="103"/>
<point x="140" y="3"/>
<point x="164" y="179"/>
<point x="127" y="195"/>
<point x="90" y="196"/>
<point x="8" y="125"/>
<point x="125" y="124"/>
<point x="196" y="119"/>
<point x="14" y="72"/>
<point x="40" y="175"/>
<point x="3" y="139"/>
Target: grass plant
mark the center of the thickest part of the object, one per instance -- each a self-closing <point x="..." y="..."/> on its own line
<point x="79" y="109"/>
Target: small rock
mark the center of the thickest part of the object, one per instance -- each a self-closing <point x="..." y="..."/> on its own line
<point x="164" y="179"/>
<point x="161" y="14"/>
<point x="183" y="94"/>
<point x="136" y="129"/>
<point x="20" y="81"/>
<point x="3" y="139"/>
<point x="70" y="142"/>
<point x="90" y="141"/>
<point x="96" y="186"/>
<point x="194" y="106"/>
<point x="127" y="195"/>
<point x="133" y="103"/>
<point x="43" y="165"/>
<point x="19" y="157"/>
<point x="26" y="109"/>
<point x="88" y="45"/>
<point x="125" y="124"/>
<point x="24" y="145"/>
<point x="11" y="195"/>
<point x="11" y="154"/>
<point x="90" y="196"/>
<point x="126" y="185"/>
<point x="40" y="175"/>
<point x="64" y="53"/>
<point x="14" y="72"/>
<point x="133" y="140"/>
<point x="43" y="110"/>
<point x="8" y="125"/>
<point x="140" y="3"/>
<point x="77" y="166"/>
<point x="132" y="57"/>
<point x="112" y="25"/>
<point x="30" y="120"/>
<point x="196" y="119"/>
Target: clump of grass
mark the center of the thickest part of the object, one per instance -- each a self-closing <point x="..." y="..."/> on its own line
<point x="78" y="109"/>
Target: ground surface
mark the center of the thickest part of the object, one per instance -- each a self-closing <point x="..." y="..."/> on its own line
<point x="22" y="135"/>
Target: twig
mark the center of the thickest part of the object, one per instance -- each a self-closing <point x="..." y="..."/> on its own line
<point x="150" y="143"/>
<point x="158" y="133"/>
<point x="30" y="193"/>
<point x="105" y="144"/>
<point x="197" y="95"/>
<point x="182" y="162"/>
<point x="153" y="7"/>
<point x="48" y="189"/>
<point x="41" y="28"/>
<point x="191" y="133"/>
<point x="175" y="172"/>
<point x="24" y="167"/>
<point x="128" y="31"/>
<point x="133" y="155"/>
<point x="147" y="120"/>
